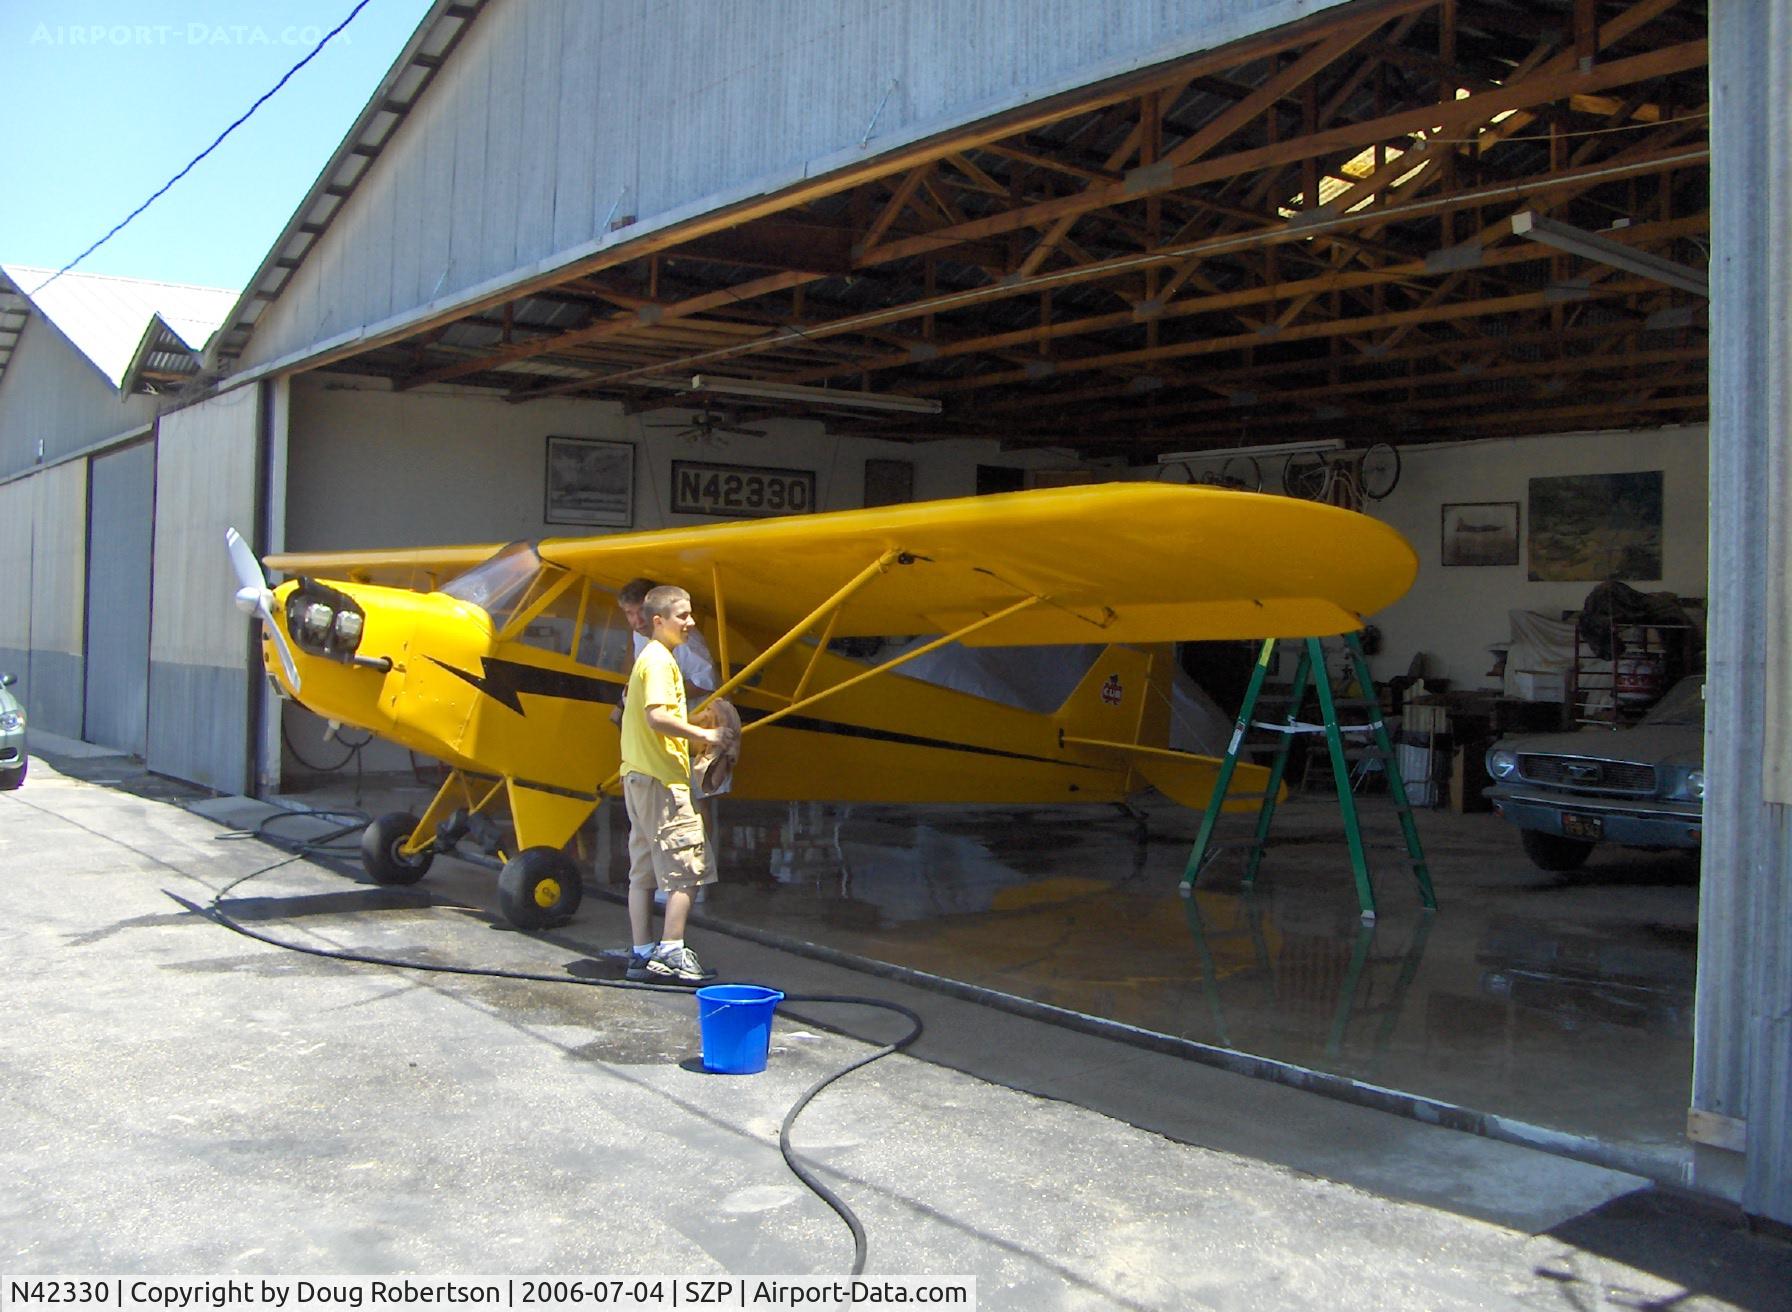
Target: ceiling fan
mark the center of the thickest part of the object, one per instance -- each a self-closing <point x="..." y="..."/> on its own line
<point x="705" y="426"/>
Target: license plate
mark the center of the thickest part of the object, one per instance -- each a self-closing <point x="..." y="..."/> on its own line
<point x="1582" y="826"/>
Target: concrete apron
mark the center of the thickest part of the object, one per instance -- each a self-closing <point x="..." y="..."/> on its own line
<point x="185" y="1100"/>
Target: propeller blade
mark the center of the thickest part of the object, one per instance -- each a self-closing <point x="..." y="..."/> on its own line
<point x="254" y="597"/>
<point x="287" y="662"/>
<point x="242" y="560"/>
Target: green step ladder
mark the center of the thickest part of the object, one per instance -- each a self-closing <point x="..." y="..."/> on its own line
<point x="1312" y="668"/>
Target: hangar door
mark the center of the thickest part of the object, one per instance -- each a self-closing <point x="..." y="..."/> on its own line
<point x="199" y="670"/>
<point x="120" y="528"/>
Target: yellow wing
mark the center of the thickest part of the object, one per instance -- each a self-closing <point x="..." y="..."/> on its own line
<point x="1113" y="562"/>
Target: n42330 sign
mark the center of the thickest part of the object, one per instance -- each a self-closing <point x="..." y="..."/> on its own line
<point x="740" y="491"/>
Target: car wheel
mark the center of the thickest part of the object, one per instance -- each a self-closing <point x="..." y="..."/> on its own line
<point x="538" y="887"/>
<point x="380" y="855"/>
<point x="1553" y="852"/>
<point x="11" y="779"/>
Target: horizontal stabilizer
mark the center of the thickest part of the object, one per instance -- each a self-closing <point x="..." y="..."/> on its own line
<point x="1188" y="779"/>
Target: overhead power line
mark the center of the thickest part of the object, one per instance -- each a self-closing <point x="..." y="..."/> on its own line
<point x="218" y="141"/>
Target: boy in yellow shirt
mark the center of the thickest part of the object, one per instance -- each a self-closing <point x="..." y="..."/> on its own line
<point x="665" y="834"/>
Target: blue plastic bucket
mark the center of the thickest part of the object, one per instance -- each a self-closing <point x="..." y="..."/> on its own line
<point x="735" y="1021"/>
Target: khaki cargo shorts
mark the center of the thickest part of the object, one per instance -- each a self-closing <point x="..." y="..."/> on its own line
<point x="666" y="847"/>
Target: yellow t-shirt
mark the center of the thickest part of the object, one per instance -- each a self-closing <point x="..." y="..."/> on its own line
<point x="654" y="681"/>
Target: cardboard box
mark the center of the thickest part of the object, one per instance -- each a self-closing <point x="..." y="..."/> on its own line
<point x="1540" y="685"/>
<point x="1468" y="776"/>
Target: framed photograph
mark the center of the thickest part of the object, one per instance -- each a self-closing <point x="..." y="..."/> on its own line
<point x="704" y="487"/>
<point x="1480" y="533"/>
<point x="590" y="482"/>
<point x="1589" y="527"/>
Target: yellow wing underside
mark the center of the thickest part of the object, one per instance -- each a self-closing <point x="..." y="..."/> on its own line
<point x="1116" y="562"/>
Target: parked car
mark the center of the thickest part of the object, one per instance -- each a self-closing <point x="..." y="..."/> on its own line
<point x="13" y="760"/>
<point x="1643" y="786"/>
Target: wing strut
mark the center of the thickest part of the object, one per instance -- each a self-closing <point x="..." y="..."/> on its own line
<point x="889" y="665"/>
<point x="802" y="626"/>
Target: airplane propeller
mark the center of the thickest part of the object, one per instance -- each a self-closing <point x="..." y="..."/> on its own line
<point x="254" y="597"/>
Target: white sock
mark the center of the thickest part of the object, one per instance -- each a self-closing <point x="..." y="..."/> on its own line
<point x="643" y="949"/>
<point x="668" y="945"/>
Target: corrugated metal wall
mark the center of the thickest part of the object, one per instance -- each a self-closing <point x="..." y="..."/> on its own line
<point x="1743" y="1023"/>
<point x="554" y="115"/>
<point x="15" y="563"/>
<point x="54" y="393"/>
<point x="121" y="513"/>
<point x="43" y="550"/>
<point x="199" y="646"/>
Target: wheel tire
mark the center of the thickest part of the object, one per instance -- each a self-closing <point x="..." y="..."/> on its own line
<point x="1243" y="473"/>
<point x="1304" y="477"/>
<point x="1379" y="473"/>
<point x="11" y="779"/>
<point x="538" y="887"/>
<point x="380" y="856"/>
<point x="1553" y="852"/>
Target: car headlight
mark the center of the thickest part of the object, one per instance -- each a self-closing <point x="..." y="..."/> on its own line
<point x="1502" y="764"/>
<point x="10" y="720"/>
<point x="1688" y="786"/>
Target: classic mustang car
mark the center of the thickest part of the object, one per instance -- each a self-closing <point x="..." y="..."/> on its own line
<point x="1642" y="786"/>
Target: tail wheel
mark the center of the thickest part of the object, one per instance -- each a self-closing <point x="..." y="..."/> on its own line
<point x="1379" y="472"/>
<point x="382" y="855"/>
<point x="538" y="887"/>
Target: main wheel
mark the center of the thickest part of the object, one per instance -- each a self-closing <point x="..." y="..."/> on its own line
<point x="538" y="887"/>
<point x="380" y="854"/>
<point x="1305" y="476"/>
<point x="1553" y="852"/>
<point x="10" y="779"/>
<point x="1379" y="471"/>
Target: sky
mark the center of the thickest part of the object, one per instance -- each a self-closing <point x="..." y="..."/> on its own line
<point x="109" y="99"/>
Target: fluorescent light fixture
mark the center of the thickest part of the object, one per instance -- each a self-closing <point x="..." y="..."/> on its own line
<point x="1603" y="250"/>
<point x="1268" y="449"/>
<point x="824" y="396"/>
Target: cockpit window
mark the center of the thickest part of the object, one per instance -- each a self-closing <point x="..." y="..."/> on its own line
<point x="501" y="585"/>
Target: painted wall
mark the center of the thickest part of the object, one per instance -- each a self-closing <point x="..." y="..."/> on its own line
<point x="43" y="556"/>
<point x="1453" y="613"/>
<point x="54" y="394"/>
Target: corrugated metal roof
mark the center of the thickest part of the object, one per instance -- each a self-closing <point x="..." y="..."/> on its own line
<point x="107" y="317"/>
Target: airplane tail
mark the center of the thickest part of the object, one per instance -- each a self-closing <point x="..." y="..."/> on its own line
<point x="1123" y="705"/>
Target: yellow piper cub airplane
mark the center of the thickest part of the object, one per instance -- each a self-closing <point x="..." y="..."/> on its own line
<point x="487" y="657"/>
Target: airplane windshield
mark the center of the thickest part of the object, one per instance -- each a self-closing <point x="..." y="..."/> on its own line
<point x="499" y="585"/>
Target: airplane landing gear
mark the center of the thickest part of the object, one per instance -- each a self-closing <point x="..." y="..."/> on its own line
<point x="538" y="887"/>
<point x="381" y="856"/>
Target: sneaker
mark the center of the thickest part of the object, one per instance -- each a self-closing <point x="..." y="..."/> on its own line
<point x="639" y="967"/>
<point x="679" y="966"/>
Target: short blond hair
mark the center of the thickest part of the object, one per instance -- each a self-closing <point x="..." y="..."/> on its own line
<point x="661" y="600"/>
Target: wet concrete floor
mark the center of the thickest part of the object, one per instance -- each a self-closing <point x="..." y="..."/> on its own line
<point x="1562" y="1002"/>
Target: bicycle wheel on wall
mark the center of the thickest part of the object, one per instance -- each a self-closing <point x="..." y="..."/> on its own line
<point x="1242" y="472"/>
<point x="1379" y="472"/>
<point x="1304" y="476"/>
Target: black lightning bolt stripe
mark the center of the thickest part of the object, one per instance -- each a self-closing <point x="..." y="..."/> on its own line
<point x="503" y="681"/>
<point x="811" y="725"/>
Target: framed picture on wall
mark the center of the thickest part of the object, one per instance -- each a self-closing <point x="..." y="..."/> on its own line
<point x="1480" y="533"/>
<point x="590" y="482"/>
<point x="1588" y="527"/>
